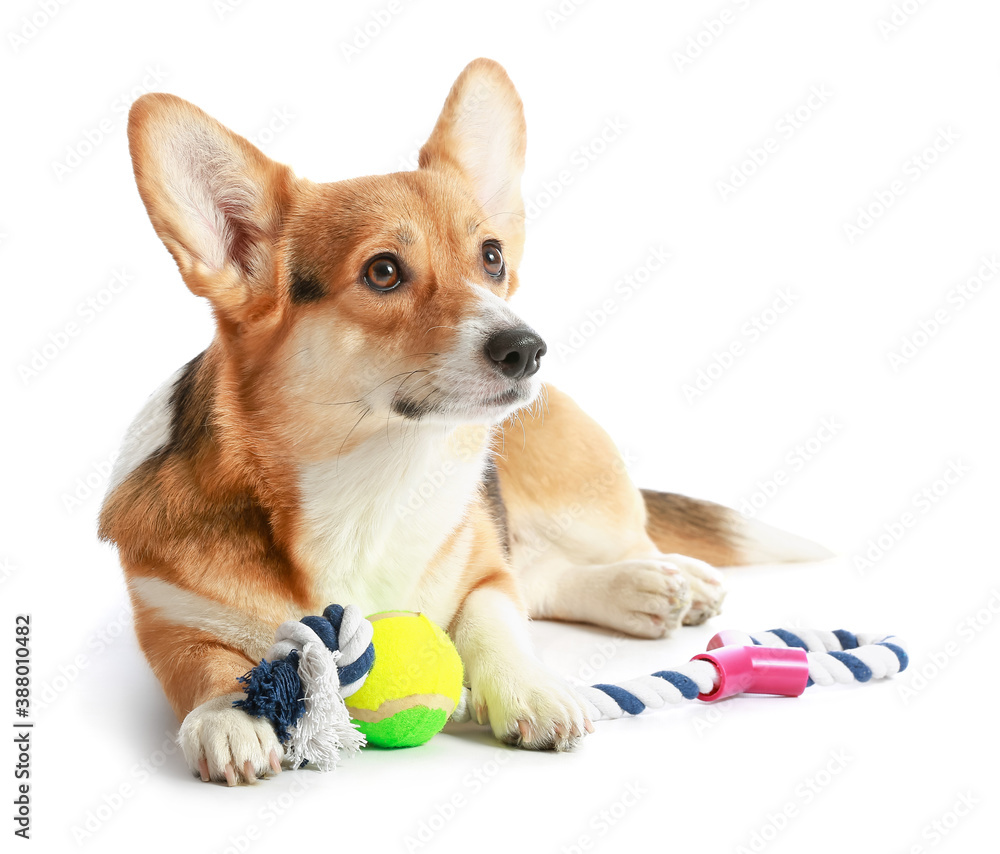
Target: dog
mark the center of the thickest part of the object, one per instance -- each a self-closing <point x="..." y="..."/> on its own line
<point x="368" y="426"/>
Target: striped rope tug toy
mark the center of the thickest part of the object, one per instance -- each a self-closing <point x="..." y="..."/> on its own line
<point x="317" y="663"/>
<point x="300" y="686"/>
<point x="778" y="662"/>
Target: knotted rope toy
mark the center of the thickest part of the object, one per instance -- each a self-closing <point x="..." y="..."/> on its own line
<point x="315" y="665"/>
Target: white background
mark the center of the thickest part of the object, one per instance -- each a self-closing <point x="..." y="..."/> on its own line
<point x="709" y="779"/>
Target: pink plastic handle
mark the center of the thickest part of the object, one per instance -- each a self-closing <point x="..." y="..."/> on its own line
<point x="756" y="670"/>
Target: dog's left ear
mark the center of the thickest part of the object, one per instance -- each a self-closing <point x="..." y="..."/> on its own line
<point x="481" y="132"/>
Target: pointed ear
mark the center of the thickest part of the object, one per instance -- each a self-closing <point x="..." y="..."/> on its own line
<point x="481" y="132"/>
<point x="215" y="200"/>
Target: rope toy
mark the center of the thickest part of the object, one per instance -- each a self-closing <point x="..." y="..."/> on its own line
<point x="301" y="683"/>
<point x="316" y="664"/>
<point x="778" y="662"/>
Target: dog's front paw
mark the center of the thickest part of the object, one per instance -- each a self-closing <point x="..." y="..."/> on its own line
<point x="707" y="588"/>
<point x="221" y="742"/>
<point x="530" y="708"/>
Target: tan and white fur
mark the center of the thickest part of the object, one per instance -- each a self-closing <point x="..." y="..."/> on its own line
<point x="368" y="427"/>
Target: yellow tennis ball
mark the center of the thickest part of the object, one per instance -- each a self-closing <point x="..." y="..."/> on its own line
<point x="414" y="685"/>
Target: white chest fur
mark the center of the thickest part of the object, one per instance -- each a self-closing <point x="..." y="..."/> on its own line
<point x="376" y="516"/>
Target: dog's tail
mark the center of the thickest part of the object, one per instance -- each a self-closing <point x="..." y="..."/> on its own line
<point x="719" y="535"/>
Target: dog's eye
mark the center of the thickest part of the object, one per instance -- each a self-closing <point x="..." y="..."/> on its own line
<point x="382" y="273"/>
<point x="492" y="259"/>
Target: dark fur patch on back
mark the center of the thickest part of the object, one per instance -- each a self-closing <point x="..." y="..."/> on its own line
<point x="494" y="501"/>
<point x="306" y="289"/>
<point x="190" y="409"/>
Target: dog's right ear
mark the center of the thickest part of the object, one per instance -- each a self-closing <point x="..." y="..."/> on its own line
<point x="215" y="200"/>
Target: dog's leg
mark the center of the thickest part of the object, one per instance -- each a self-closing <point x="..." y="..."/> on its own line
<point x="648" y="595"/>
<point x="199" y="675"/>
<point x="524" y="703"/>
<point x="592" y="562"/>
<point x="578" y="530"/>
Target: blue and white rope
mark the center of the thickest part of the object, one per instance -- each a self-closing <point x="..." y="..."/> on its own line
<point x="313" y="665"/>
<point x="839" y="656"/>
<point x="834" y="657"/>
<point x="343" y="630"/>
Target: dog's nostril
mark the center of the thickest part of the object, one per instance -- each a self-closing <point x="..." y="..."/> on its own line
<point x="516" y="353"/>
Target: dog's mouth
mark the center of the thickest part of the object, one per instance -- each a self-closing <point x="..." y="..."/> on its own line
<point x="468" y="406"/>
<point x="507" y="398"/>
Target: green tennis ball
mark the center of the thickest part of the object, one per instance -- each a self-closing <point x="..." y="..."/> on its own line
<point x="414" y="685"/>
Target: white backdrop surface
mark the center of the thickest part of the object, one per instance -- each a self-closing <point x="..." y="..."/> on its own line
<point x="819" y="348"/>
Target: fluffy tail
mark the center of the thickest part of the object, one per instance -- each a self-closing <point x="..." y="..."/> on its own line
<point x="720" y="535"/>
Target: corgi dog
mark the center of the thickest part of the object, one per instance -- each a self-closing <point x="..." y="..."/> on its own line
<point x="368" y="426"/>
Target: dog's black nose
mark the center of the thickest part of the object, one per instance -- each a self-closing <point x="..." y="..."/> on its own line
<point x="515" y="352"/>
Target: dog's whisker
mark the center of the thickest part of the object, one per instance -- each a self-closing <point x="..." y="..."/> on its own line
<point x="325" y="402"/>
<point x="291" y="356"/>
<point x="501" y="213"/>
<point x="348" y="436"/>
<point x="395" y="395"/>
<point x="390" y="379"/>
<point x="420" y="405"/>
<point x="362" y="398"/>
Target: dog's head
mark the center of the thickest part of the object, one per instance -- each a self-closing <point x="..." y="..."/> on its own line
<point x="382" y="296"/>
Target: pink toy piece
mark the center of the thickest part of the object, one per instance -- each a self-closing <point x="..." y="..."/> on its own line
<point x="756" y="670"/>
<point x="727" y="637"/>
